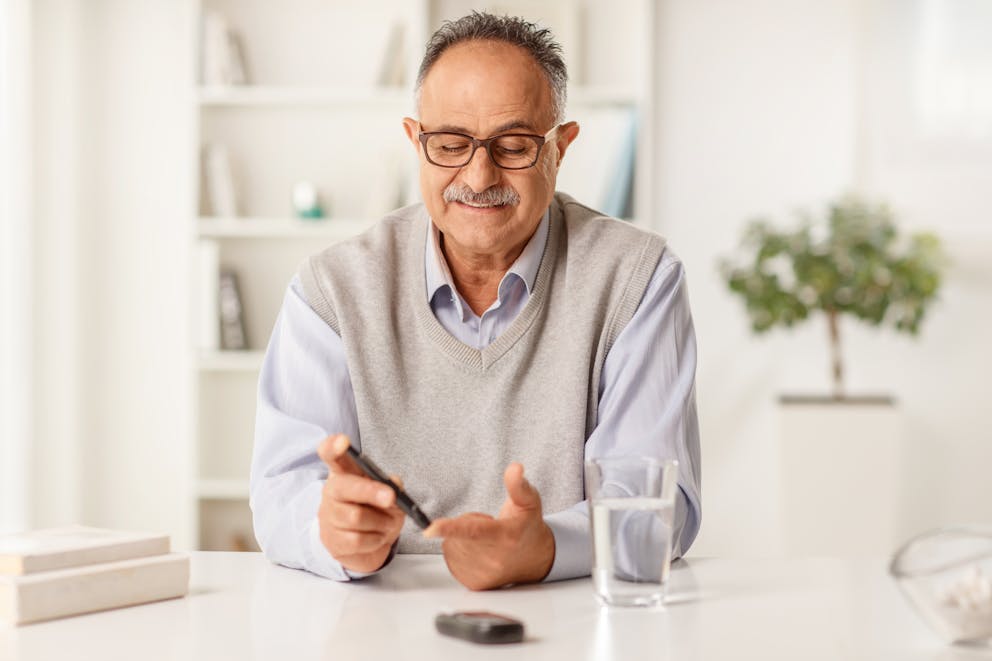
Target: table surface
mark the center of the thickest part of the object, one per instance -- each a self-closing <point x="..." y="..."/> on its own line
<point x="242" y="607"/>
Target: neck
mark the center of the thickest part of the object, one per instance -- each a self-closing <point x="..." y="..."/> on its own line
<point x="477" y="276"/>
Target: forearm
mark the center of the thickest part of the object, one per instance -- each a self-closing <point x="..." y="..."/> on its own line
<point x="573" y="537"/>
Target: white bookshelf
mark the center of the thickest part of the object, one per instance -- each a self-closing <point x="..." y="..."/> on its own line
<point x="266" y="96"/>
<point x="312" y="98"/>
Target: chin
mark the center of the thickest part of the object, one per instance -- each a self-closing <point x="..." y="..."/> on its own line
<point x="480" y="237"/>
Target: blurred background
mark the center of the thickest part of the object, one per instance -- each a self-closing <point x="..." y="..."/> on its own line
<point x="165" y="165"/>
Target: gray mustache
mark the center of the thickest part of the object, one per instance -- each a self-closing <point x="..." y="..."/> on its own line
<point x="491" y="197"/>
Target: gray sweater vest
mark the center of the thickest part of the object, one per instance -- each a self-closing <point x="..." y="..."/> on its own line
<point x="448" y="418"/>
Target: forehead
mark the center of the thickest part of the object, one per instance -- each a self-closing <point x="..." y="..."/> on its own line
<point x="479" y="85"/>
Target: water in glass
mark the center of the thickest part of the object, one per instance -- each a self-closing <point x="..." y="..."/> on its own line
<point x="632" y="547"/>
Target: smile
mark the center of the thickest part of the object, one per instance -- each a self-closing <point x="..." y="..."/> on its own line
<point x="482" y="206"/>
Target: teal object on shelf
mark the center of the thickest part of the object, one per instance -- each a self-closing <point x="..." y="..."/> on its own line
<point x="306" y="201"/>
<point x="313" y="213"/>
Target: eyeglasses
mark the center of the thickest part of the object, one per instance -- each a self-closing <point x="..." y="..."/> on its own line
<point x="510" y="151"/>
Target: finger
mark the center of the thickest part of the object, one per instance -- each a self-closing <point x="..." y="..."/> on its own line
<point x="359" y="489"/>
<point x="521" y="492"/>
<point x="362" y="518"/>
<point x="474" y="526"/>
<point x="333" y="452"/>
<point x="397" y="479"/>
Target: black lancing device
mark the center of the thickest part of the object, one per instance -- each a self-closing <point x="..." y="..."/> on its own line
<point x="403" y="501"/>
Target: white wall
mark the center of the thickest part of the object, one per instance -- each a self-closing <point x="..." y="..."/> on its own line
<point x="57" y="448"/>
<point x="761" y="112"/>
<point x="112" y="202"/>
<point x="15" y="265"/>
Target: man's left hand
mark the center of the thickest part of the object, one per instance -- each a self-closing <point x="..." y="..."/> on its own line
<point x="517" y="546"/>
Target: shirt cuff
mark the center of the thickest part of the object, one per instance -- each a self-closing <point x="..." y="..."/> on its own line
<point x="316" y="558"/>
<point x="573" y="548"/>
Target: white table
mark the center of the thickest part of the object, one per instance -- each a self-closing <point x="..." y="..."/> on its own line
<point x="241" y="607"/>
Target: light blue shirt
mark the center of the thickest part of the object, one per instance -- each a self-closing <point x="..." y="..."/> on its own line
<point x="647" y="405"/>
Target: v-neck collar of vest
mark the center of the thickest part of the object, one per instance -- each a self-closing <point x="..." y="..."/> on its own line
<point x="480" y="359"/>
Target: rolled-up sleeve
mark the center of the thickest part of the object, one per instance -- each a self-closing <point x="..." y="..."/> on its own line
<point x="647" y="406"/>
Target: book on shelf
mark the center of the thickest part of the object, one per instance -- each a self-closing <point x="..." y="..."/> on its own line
<point x="47" y="574"/>
<point x="222" y="56"/>
<point x="232" y="325"/>
<point x="600" y="167"/>
<point x="619" y="201"/>
<point x="218" y="181"/>
<point x="392" y="68"/>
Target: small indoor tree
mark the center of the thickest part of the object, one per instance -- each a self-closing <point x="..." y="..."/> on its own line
<point x="852" y="262"/>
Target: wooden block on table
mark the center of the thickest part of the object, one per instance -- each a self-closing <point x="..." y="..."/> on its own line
<point x="53" y="594"/>
<point x="73" y="546"/>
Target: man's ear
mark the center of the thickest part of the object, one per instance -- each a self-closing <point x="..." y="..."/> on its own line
<point x="568" y="132"/>
<point x="412" y="129"/>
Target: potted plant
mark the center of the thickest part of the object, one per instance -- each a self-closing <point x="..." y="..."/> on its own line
<point x="850" y="261"/>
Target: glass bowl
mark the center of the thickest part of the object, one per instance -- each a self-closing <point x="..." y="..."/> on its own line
<point x="947" y="575"/>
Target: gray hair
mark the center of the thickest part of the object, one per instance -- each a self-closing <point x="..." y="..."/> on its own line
<point x="482" y="26"/>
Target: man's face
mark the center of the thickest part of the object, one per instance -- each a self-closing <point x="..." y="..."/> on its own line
<point x="483" y="89"/>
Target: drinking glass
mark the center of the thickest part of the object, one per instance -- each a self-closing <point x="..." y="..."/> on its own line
<point x="632" y="511"/>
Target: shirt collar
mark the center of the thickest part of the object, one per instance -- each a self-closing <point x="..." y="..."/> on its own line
<point x="525" y="267"/>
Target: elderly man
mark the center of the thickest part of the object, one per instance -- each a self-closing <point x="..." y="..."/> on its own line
<point x="496" y="328"/>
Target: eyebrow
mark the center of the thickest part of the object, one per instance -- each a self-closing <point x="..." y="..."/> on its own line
<point x="503" y="128"/>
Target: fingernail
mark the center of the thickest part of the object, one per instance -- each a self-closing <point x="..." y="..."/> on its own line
<point x="385" y="498"/>
<point x="430" y="531"/>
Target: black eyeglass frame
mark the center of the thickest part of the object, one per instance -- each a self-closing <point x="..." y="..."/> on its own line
<point x="541" y="140"/>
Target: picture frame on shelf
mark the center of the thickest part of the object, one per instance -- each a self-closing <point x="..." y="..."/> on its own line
<point x="232" y="324"/>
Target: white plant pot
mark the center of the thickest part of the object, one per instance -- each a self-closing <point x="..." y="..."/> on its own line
<point x="841" y="476"/>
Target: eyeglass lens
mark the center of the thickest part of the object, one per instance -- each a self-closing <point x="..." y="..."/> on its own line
<point x="508" y="151"/>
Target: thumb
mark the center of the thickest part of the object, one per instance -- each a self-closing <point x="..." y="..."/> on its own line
<point x="333" y="452"/>
<point x="520" y="491"/>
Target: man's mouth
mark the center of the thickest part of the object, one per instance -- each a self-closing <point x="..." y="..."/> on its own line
<point x="476" y="205"/>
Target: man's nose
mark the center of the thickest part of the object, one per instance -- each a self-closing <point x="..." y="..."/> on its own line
<point x="480" y="173"/>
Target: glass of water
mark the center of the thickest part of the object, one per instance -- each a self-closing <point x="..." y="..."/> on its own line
<point x="632" y="510"/>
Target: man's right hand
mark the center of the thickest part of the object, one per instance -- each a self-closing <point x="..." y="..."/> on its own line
<point x="358" y="517"/>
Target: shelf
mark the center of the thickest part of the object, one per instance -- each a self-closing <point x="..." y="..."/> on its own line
<point x="289" y="228"/>
<point x="230" y="361"/>
<point x="275" y="96"/>
<point x="222" y="489"/>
